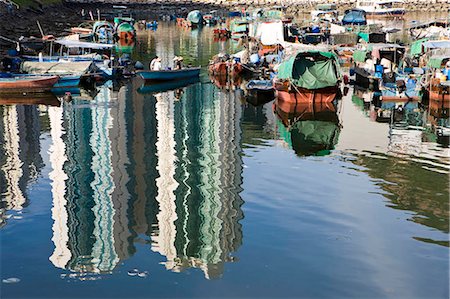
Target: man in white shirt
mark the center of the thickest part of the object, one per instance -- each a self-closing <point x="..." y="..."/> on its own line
<point x="155" y="65"/>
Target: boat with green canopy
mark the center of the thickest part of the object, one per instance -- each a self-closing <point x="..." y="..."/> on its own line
<point x="195" y="18"/>
<point x="309" y="76"/>
<point x="124" y="28"/>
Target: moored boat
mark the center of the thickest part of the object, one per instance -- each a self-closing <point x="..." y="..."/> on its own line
<point x="27" y="84"/>
<point x="259" y="92"/>
<point x="382" y="8"/>
<point x="308" y="76"/>
<point x="195" y="18"/>
<point x="167" y="75"/>
<point x="377" y="63"/>
<point x="103" y="31"/>
<point x="124" y="28"/>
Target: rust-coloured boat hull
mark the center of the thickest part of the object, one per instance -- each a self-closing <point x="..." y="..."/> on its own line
<point x="40" y="84"/>
<point x="326" y="95"/>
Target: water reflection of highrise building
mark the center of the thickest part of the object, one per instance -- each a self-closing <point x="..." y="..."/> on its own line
<point x="199" y="198"/>
<point x="20" y="158"/>
<point x="84" y="181"/>
<point x="146" y="166"/>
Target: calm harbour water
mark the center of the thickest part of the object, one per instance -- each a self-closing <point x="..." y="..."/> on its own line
<point x="207" y="195"/>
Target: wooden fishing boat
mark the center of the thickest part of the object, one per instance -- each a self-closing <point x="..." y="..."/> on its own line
<point x="64" y="81"/>
<point x="195" y="18"/>
<point x="259" y="92"/>
<point x="303" y="95"/>
<point x="124" y="28"/>
<point x="168" y="75"/>
<point x="223" y="68"/>
<point x="439" y="91"/>
<point x="310" y="76"/>
<point x="368" y="73"/>
<point x="27" y="84"/>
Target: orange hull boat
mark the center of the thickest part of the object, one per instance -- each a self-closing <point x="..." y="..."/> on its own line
<point x="326" y="95"/>
<point x="32" y="84"/>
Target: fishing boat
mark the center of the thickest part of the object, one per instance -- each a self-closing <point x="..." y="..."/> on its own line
<point x="168" y="75"/>
<point x="325" y="12"/>
<point x="70" y="73"/>
<point x="104" y="69"/>
<point x="404" y="89"/>
<point x="308" y="76"/>
<point x="103" y="31"/>
<point x="167" y="85"/>
<point x="369" y="73"/>
<point x="124" y="27"/>
<point x="354" y="17"/>
<point x="382" y="8"/>
<point x="222" y="65"/>
<point x="259" y="92"/>
<point x="239" y="28"/>
<point x="210" y="19"/>
<point x="27" y="84"/>
<point x="194" y="18"/>
<point x="63" y="82"/>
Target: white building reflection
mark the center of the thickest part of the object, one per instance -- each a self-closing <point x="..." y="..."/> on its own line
<point x="20" y="159"/>
<point x="204" y="226"/>
<point x="127" y="167"/>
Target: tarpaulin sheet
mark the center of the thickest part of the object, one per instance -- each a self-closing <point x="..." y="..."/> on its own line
<point x="436" y="62"/>
<point x="416" y="47"/>
<point x="354" y="17"/>
<point x="195" y="17"/>
<point x="309" y="73"/>
<point x="437" y="44"/>
<point x="270" y="33"/>
<point x="359" y="55"/>
<point x="57" y="68"/>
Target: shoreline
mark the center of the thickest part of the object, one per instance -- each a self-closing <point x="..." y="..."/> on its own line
<point x="55" y="19"/>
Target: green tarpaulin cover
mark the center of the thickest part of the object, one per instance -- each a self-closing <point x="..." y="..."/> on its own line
<point x="310" y="74"/>
<point x="436" y="62"/>
<point x="416" y="47"/>
<point x="364" y="36"/>
<point x="359" y="55"/>
<point x="195" y="17"/>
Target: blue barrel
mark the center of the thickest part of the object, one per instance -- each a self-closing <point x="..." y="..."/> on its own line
<point x="379" y="68"/>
